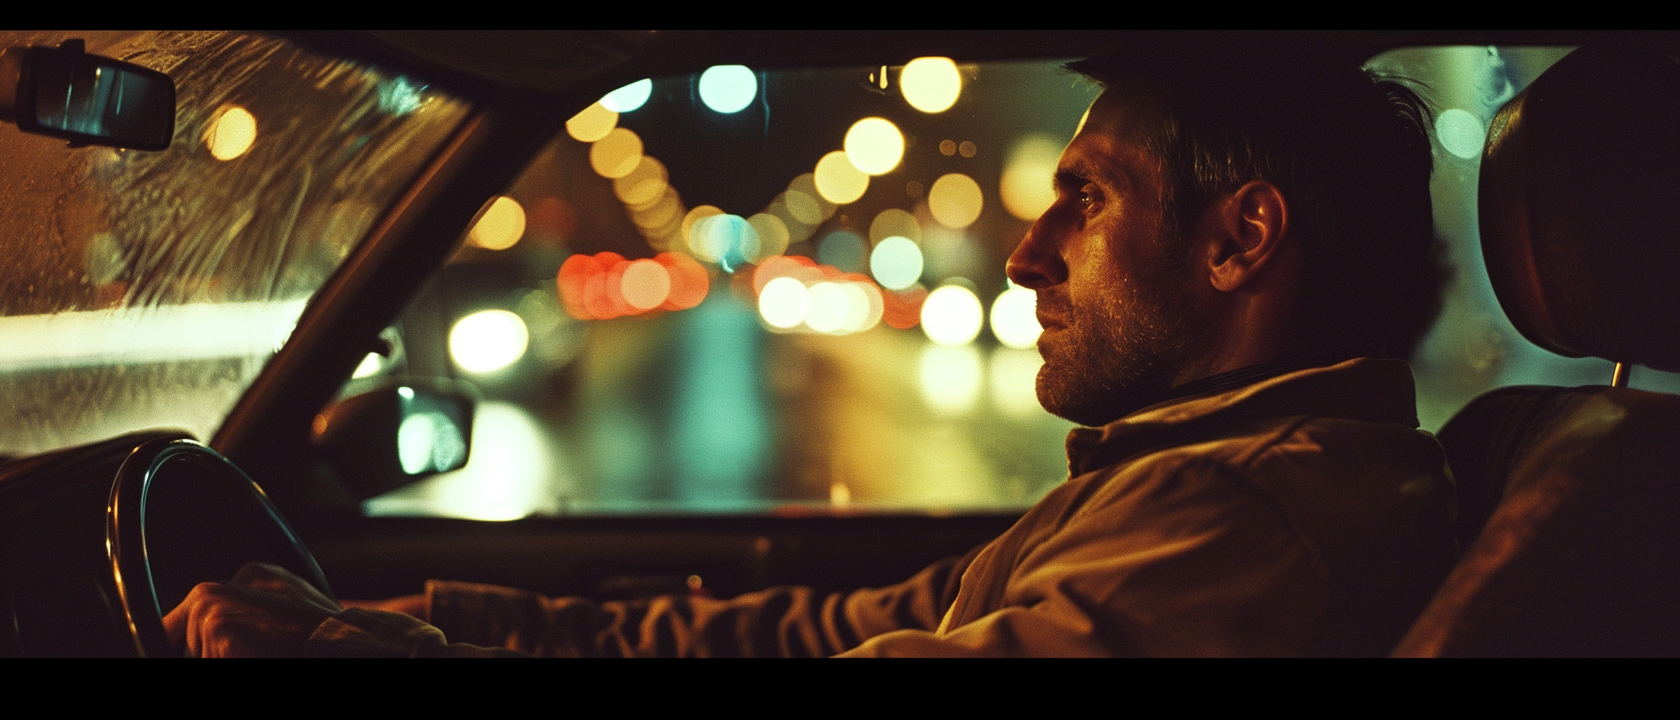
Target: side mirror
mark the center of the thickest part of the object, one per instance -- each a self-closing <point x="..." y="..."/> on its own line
<point x="384" y="439"/>
<point x="87" y="99"/>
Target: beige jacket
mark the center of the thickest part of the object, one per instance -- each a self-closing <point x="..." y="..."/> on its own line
<point x="1300" y="515"/>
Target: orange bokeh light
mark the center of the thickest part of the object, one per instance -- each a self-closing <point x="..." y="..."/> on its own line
<point x="644" y="284"/>
<point x="903" y="309"/>
<point x="689" y="281"/>
<point x="574" y="285"/>
<point x="608" y="285"/>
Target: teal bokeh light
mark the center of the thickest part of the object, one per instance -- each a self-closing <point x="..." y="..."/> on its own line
<point x="728" y="88"/>
<point x="400" y="96"/>
<point x="896" y="262"/>
<point x="730" y="239"/>
<point x="1460" y="133"/>
<point x="843" y="249"/>
<point x="628" y="98"/>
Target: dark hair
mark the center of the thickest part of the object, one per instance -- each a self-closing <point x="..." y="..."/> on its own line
<point x="1350" y="154"/>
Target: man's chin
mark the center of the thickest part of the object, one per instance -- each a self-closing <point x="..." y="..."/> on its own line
<point x="1091" y="404"/>
<point x="1082" y="415"/>
<point x="1068" y="403"/>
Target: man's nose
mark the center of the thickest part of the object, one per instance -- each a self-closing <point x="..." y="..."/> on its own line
<point x="1035" y="263"/>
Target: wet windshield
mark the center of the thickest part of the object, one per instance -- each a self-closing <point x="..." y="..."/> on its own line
<point x="147" y="289"/>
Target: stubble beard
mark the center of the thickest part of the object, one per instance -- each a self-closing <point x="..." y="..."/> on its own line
<point x="1106" y="365"/>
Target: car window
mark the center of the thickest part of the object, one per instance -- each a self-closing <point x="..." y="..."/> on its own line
<point x="1474" y="348"/>
<point x="147" y="289"/>
<point x="783" y="291"/>
<point x="767" y="346"/>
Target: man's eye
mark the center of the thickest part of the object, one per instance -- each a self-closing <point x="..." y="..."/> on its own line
<point x="1087" y="200"/>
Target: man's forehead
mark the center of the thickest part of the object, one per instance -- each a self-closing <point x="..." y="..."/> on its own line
<point x="1125" y="111"/>
<point x="1110" y="139"/>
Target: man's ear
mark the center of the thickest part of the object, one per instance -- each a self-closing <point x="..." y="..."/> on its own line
<point x="1251" y="225"/>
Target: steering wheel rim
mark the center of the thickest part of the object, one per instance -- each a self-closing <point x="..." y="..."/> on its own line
<point x="127" y="538"/>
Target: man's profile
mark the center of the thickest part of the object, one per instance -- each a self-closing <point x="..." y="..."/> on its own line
<point x="1239" y="252"/>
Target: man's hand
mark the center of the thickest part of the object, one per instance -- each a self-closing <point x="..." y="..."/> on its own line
<point x="265" y="612"/>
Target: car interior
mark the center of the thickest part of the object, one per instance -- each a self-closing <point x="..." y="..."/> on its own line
<point x="1563" y="492"/>
<point x="1563" y="484"/>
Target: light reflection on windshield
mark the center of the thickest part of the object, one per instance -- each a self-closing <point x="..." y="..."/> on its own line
<point x="198" y="331"/>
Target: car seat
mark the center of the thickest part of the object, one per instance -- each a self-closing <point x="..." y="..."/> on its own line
<point x="1569" y="498"/>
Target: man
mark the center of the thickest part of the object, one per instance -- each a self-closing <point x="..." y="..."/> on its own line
<point x="1233" y="249"/>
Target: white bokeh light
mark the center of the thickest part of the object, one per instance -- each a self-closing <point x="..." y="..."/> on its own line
<point x="862" y="310"/>
<point x="488" y="340"/>
<point x="952" y="316"/>
<point x="1015" y="318"/>
<point x="828" y="308"/>
<point x="931" y="84"/>
<point x="784" y="302"/>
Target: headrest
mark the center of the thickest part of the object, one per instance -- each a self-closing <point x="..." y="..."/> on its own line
<point x="1580" y="207"/>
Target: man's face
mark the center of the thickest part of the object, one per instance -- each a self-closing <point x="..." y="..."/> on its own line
<point x="1113" y="290"/>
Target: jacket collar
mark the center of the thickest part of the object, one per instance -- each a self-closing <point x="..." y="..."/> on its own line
<point x="1365" y="389"/>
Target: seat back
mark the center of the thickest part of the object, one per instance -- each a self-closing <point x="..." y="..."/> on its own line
<point x="1580" y="551"/>
<point x="1569" y="506"/>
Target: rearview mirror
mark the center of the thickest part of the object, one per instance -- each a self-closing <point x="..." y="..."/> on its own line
<point x="87" y="99"/>
<point x="384" y="439"/>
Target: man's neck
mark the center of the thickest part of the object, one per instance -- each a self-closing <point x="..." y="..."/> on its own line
<point x="1233" y="379"/>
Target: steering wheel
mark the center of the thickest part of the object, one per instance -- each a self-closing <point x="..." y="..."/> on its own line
<point x="180" y="514"/>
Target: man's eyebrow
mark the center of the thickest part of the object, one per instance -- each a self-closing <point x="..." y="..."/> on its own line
<point x="1068" y="179"/>
<point x="1078" y="173"/>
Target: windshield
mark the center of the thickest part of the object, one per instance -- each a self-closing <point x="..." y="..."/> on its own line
<point x="147" y="289"/>
<point x="693" y="301"/>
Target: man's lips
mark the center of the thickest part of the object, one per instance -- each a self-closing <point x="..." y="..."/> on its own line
<point x="1051" y="303"/>
<point x="1050" y="318"/>
<point x="1052" y="311"/>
